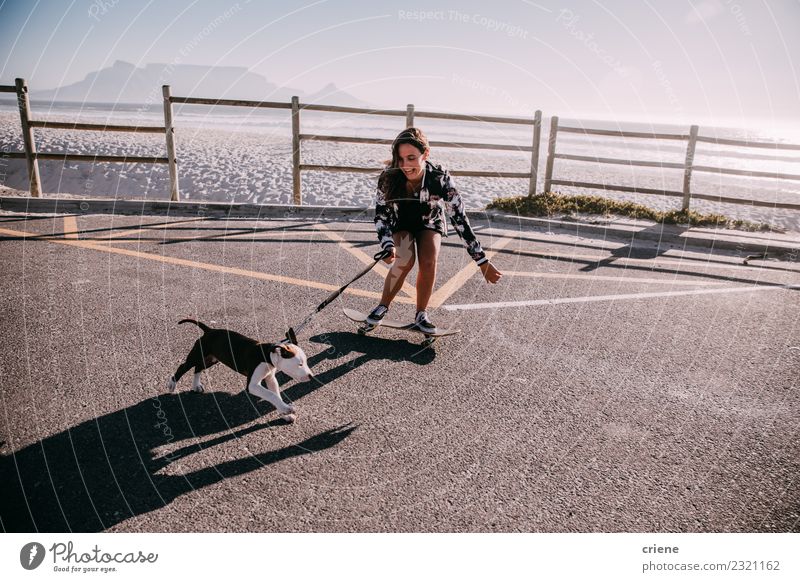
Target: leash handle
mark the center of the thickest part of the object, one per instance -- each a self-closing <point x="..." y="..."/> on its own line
<point x="291" y="334"/>
<point x="380" y="255"/>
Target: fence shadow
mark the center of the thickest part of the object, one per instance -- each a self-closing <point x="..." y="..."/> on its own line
<point x="105" y="470"/>
<point x="634" y="250"/>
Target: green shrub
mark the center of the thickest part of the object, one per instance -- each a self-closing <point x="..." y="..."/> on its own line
<point x="550" y="204"/>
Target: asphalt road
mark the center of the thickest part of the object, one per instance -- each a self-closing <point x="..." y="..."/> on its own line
<point x="597" y="388"/>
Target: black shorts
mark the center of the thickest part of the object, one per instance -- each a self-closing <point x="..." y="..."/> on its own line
<point x="416" y="229"/>
<point x="410" y="218"/>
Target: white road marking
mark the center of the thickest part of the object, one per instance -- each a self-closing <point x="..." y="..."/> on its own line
<point x="752" y="288"/>
<point x="593" y="277"/>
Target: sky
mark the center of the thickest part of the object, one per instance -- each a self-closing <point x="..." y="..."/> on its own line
<point x="723" y="61"/>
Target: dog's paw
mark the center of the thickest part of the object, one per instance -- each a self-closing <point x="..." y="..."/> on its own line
<point x="199" y="388"/>
<point x="171" y="384"/>
<point x="290" y="417"/>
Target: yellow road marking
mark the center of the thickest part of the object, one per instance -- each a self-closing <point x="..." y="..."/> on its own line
<point x="540" y="275"/>
<point x="458" y="280"/>
<point x="70" y="227"/>
<point x="363" y="257"/>
<point x="255" y="237"/>
<point x="127" y="231"/>
<point x="195" y="264"/>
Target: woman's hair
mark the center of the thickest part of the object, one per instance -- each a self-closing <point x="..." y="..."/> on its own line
<point x="412" y="136"/>
<point x="392" y="181"/>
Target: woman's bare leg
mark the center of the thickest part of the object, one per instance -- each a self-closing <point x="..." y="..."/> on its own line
<point x="428" y="244"/>
<point x="403" y="263"/>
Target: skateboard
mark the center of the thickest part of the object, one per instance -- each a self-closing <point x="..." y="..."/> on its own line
<point x="365" y="328"/>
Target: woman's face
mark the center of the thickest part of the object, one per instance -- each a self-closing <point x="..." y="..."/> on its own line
<point x="411" y="161"/>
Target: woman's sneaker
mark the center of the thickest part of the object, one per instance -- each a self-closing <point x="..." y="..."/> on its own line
<point x="424" y="324"/>
<point x="376" y="315"/>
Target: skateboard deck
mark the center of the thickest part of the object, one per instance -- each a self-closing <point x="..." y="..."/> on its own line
<point x="359" y="317"/>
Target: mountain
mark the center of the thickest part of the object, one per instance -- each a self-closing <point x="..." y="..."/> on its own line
<point x="124" y="82"/>
<point x="330" y="94"/>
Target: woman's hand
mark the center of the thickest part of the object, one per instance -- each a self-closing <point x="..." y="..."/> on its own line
<point x="390" y="259"/>
<point x="491" y="274"/>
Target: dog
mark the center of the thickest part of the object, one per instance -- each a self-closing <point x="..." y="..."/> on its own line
<point x="258" y="361"/>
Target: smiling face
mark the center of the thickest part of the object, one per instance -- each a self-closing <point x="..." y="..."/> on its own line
<point x="411" y="161"/>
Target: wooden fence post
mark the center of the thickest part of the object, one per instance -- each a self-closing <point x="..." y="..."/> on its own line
<point x="537" y="136"/>
<point x="169" y="130"/>
<point x="296" y="197"/>
<point x="551" y="152"/>
<point x="410" y="115"/>
<point x="687" y="172"/>
<point x="34" y="181"/>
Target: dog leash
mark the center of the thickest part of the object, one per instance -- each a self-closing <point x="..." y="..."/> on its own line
<point x="291" y="335"/>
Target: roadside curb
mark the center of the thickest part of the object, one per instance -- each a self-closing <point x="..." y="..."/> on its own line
<point x="165" y="207"/>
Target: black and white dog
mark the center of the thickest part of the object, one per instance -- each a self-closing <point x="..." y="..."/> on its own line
<point x="258" y="361"/>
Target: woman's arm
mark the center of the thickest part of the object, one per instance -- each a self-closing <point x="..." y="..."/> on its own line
<point x="454" y="206"/>
<point x="383" y="220"/>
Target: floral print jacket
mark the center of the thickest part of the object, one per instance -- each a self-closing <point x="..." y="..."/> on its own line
<point x="438" y="196"/>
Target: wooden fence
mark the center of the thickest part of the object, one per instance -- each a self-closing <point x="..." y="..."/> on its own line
<point x="410" y="114"/>
<point x="688" y="166"/>
<point x="32" y="156"/>
<point x="692" y="138"/>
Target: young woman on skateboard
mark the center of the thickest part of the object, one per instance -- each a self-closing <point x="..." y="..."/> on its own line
<point x="413" y="196"/>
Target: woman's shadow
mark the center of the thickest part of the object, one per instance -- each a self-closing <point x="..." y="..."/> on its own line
<point x="108" y="469"/>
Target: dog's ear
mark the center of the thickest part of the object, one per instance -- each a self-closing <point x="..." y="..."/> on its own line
<point x="286" y="352"/>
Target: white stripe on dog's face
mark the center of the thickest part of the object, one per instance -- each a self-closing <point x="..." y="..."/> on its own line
<point x="291" y="360"/>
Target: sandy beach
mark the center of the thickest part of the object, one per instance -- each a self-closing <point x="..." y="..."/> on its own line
<point x="254" y="166"/>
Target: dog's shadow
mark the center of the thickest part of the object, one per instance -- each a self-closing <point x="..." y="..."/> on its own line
<point x="105" y="470"/>
<point x="368" y="348"/>
<point x="111" y="468"/>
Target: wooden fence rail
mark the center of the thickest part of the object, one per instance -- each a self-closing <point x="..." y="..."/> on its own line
<point x="95" y="126"/>
<point x="688" y="167"/>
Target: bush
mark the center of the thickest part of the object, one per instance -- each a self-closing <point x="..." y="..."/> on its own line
<point x="550" y="204"/>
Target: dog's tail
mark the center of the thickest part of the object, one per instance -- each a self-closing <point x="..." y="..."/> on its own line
<point x="199" y="324"/>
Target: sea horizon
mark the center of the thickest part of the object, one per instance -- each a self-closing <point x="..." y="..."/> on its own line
<point x="761" y="129"/>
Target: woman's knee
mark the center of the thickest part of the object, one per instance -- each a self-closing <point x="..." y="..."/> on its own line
<point x="403" y="263"/>
<point x="428" y="254"/>
<point x="427" y="264"/>
<point x="404" y="252"/>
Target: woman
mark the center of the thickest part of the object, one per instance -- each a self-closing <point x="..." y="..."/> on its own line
<point x="410" y="223"/>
